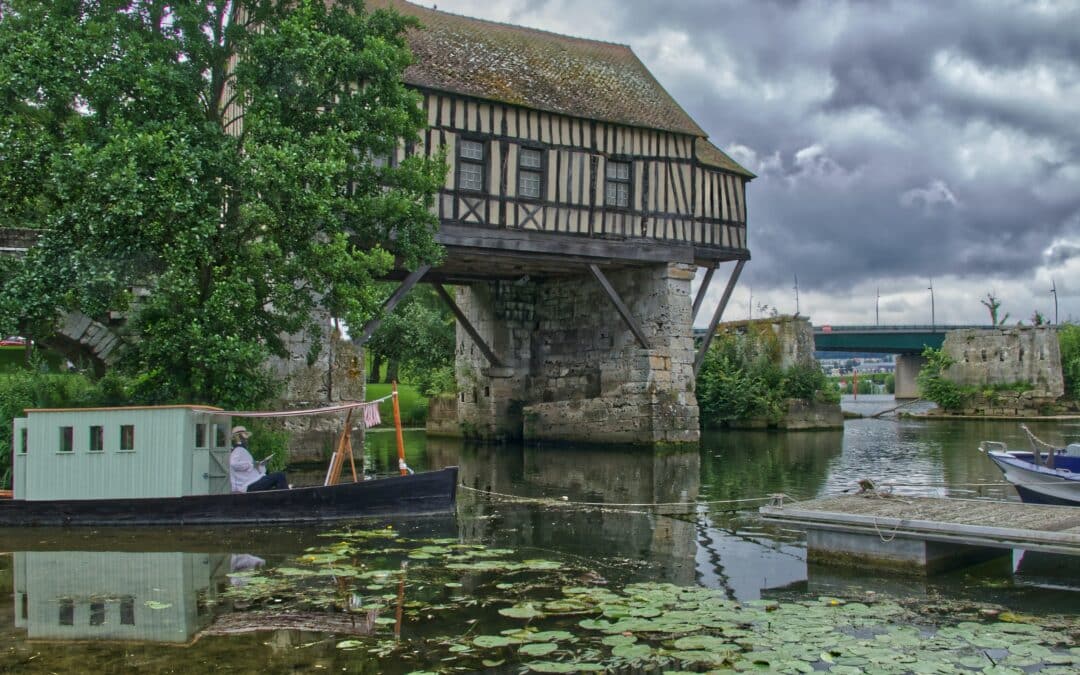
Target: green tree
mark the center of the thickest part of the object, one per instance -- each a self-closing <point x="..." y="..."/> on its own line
<point x="219" y="155"/>
<point x="416" y="340"/>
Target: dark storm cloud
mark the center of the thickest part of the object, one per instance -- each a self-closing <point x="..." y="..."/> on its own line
<point x="926" y="143"/>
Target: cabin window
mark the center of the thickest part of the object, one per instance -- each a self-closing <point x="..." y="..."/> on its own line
<point x="67" y="439"/>
<point x="67" y="612"/>
<point x="127" y="437"/>
<point x="220" y="436"/>
<point x="618" y="184"/>
<point x="97" y="439"/>
<point x="25" y="605"/>
<point x="200" y="436"/>
<point x="24" y="443"/>
<point x="531" y="173"/>
<point x="127" y="610"/>
<point x="471" y="166"/>
<point x="97" y="613"/>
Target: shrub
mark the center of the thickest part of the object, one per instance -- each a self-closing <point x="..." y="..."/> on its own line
<point x="933" y="385"/>
<point x="1069" y="340"/>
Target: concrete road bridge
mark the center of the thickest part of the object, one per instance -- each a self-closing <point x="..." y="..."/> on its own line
<point x="906" y="341"/>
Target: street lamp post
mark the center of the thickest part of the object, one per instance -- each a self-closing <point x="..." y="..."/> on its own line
<point x="1053" y="290"/>
<point x="933" y="320"/>
<point x="877" y="308"/>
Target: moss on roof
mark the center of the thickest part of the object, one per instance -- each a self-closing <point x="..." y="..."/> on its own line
<point x="537" y="69"/>
<point x="710" y="155"/>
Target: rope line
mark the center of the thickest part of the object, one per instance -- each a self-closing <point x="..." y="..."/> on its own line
<point x="567" y="502"/>
<point x="296" y="413"/>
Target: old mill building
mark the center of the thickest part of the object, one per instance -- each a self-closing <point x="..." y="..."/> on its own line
<point x="580" y="202"/>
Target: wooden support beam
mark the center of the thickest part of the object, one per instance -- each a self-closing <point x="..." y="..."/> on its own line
<point x="397" y="296"/>
<point x="464" y="321"/>
<point x="701" y="293"/>
<point x="624" y="311"/>
<point x="716" y="316"/>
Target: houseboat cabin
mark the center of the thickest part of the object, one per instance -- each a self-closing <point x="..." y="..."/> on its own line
<point x="121" y="453"/>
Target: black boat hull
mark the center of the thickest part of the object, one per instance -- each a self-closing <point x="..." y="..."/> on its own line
<point x="417" y="494"/>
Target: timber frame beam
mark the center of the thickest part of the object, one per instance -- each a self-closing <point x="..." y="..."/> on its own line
<point x="716" y="316"/>
<point x="701" y="293"/>
<point x="623" y="310"/>
<point x="396" y="297"/>
<point x="494" y="360"/>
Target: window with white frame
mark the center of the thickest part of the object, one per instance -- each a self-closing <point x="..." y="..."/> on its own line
<point x="471" y="166"/>
<point x="531" y="173"/>
<point x="617" y="184"/>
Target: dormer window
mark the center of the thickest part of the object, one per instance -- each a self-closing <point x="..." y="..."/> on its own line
<point x="471" y="166"/>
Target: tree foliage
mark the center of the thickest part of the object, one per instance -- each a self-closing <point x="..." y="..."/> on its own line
<point x="741" y="379"/>
<point x="218" y="155"/>
<point x="418" y="335"/>
<point x="1069" y="341"/>
<point x="934" y="386"/>
<point x="993" y="305"/>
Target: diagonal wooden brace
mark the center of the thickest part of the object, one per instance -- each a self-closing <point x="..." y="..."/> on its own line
<point x="716" y="316"/>
<point x="464" y="321"/>
<point x="701" y="293"/>
<point x="624" y="311"/>
<point x="397" y="296"/>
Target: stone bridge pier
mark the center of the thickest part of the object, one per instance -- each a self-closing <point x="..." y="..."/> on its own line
<point x="571" y="368"/>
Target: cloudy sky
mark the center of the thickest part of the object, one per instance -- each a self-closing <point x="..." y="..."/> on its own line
<point x="897" y="144"/>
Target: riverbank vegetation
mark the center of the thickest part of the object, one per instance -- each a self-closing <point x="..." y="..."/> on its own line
<point x="743" y="379"/>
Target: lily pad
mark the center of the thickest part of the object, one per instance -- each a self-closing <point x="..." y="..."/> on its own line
<point x="538" y="648"/>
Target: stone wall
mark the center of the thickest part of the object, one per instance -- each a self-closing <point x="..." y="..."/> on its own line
<point x="794" y="337"/>
<point x="574" y="370"/>
<point x="1003" y="356"/>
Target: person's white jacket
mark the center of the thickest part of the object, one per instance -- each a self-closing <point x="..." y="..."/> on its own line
<point x="243" y="469"/>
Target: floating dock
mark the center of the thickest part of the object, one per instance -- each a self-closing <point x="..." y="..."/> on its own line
<point x="924" y="535"/>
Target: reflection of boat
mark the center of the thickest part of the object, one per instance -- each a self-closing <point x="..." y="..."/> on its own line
<point x="1044" y="475"/>
<point x="168" y="465"/>
<point x="167" y="597"/>
<point x="96" y="595"/>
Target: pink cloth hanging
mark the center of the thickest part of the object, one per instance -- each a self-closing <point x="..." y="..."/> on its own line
<point x="371" y="415"/>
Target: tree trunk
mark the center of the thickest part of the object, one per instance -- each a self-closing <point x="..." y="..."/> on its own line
<point x="376" y="366"/>
<point x="391" y="370"/>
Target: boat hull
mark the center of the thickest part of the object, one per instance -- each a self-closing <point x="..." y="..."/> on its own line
<point x="417" y="494"/>
<point x="1038" y="484"/>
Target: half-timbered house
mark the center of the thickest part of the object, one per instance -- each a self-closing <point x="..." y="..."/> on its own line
<point x="580" y="202"/>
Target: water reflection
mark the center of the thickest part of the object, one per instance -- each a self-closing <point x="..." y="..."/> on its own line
<point x="616" y="486"/>
<point x="105" y="595"/>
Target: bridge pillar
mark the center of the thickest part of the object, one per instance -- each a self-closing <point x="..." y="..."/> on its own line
<point x="574" y="370"/>
<point x="907" y="367"/>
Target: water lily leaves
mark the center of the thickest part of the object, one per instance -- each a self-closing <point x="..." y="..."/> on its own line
<point x="155" y="604"/>
<point x="493" y="641"/>
<point x="522" y="611"/>
<point x="549" y="636"/>
<point x="537" y="648"/>
<point x="541" y="565"/>
<point x="563" y="667"/>
<point x="632" y="652"/>
<point x="697" y="656"/>
<point x="617" y="640"/>
<point x="706" y="642"/>
<point x="349" y="644"/>
<point x="385" y="620"/>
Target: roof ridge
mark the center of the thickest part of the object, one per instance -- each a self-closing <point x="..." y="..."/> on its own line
<point x="512" y="25"/>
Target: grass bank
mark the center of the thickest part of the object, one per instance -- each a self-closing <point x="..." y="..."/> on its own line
<point x="414" y="405"/>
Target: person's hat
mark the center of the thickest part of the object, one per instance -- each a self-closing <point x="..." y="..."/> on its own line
<point x="240" y="431"/>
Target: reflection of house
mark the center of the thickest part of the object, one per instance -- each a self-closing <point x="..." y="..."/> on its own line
<point x="83" y="595"/>
<point x="117" y="453"/>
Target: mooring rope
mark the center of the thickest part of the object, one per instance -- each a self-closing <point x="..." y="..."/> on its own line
<point x="567" y="502"/>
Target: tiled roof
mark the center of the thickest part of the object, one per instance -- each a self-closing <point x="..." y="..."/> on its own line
<point x="537" y="69"/>
<point x="710" y="155"/>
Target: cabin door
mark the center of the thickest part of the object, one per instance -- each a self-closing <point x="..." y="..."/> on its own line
<point x="219" y="472"/>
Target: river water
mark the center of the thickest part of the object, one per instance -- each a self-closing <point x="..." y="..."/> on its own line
<point x="108" y="599"/>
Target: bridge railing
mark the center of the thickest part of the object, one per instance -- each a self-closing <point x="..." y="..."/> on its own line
<point x="898" y="328"/>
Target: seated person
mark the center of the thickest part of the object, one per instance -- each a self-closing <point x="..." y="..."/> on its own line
<point x="247" y="475"/>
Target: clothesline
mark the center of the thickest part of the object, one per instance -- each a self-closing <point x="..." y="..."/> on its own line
<point x="309" y="411"/>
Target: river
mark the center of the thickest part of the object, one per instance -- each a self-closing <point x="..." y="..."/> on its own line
<point x="103" y="600"/>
